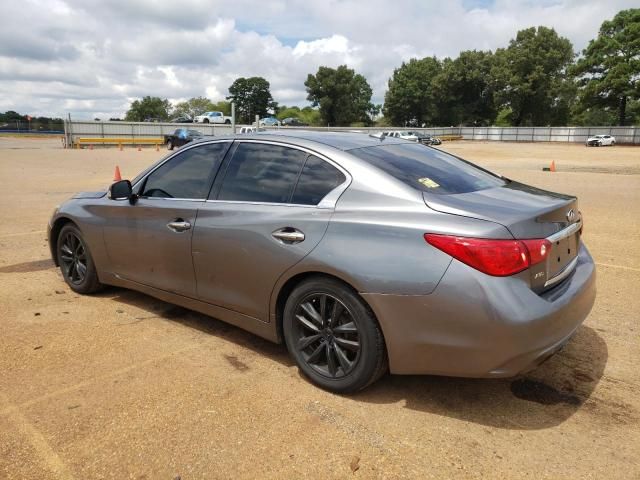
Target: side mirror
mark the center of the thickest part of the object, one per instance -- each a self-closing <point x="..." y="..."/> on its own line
<point x="121" y="190"/>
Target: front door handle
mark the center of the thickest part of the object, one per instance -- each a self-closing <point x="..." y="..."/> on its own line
<point x="288" y="235"/>
<point x="179" y="225"/>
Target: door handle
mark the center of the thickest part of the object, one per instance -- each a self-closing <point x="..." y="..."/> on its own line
<point x="179" y="225"/>
<point x="288" y="235"/>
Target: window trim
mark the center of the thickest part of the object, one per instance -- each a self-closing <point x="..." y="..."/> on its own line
<point x="328" y="201"/>
<point x="141" y="182"/>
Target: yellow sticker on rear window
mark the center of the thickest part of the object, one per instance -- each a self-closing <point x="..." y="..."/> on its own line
<point x="427" y="182"/>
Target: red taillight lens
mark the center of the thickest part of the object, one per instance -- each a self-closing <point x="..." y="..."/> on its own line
<point x="538" y="249"/>
<point x="499" y="258"/>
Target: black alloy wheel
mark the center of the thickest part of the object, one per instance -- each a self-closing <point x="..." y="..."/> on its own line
<point x="73" y="258"/>
<point x="76" y="263"/>
<point x="333" y="335"/>
<point x="326" y="335"/>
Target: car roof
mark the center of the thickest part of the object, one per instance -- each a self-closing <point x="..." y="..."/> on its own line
<point x="340" y="140"/>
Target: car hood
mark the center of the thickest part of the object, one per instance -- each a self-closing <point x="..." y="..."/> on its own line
<point x="99" y="194"/>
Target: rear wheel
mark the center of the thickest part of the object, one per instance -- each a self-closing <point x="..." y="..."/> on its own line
<point x="333" y="336"/>
<point x="76" y="263"/>
<point x="169" y="145"/>
<point x="206" y="120"/>
<point x="227" y="122"/>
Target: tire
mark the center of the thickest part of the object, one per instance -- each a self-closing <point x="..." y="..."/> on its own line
<point x="73" y="252"/>
<point x="169" y="145"/>
<point x="227" y="122"/>
<point x="343" y="354"/>
<point x="206" y="120"/>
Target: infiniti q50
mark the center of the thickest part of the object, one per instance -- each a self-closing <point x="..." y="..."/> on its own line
<point x="363" y="255"/>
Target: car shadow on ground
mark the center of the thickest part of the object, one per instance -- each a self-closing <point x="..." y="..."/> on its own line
<point x="542" y="398"/>
<point x="160" y="310"/>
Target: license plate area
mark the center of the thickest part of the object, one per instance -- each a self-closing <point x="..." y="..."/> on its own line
<point x="563" y="251"/>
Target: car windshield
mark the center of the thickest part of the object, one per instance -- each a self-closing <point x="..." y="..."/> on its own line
<point x="427" y="169"/>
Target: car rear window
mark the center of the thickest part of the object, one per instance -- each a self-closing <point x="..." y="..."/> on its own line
<point x="428" y="169"/>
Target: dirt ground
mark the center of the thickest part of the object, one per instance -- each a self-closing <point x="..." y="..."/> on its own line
<point x="120" y="385"/>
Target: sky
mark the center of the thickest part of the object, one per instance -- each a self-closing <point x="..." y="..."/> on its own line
<point x="91" y="58"/>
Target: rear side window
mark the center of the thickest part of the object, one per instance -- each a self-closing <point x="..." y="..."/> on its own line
<point x="427" y="169"/>
<point x="188" y="174"/>
<point x="262" y="173"/>
<point x="318" y="178"/>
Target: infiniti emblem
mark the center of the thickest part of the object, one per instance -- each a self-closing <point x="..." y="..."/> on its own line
<point x="571" y="215"/>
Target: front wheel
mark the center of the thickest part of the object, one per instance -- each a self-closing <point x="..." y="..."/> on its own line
<point x="206" y="120"/>
<point x="76" y="263"/>
<point x="169" y="145"/>
<point x="333" y="336"/>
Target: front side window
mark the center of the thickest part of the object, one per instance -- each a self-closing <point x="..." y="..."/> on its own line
<point x="186" y="175"/>
<point x="262" y="173"/>
<point x="428" y="169"/>
<point x="318" y="178"/>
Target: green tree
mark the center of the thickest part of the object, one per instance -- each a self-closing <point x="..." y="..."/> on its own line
<point x="609" y="70"/>
<point x="341" y="95"/>
<point x="148" y="107"/>
<point x="311" y="116"/>
<point x="411" y="99"/>
<point x="193" y="107"/>
<point x="223" y="106"/>
<point x="530" y="77"/>
<point x="286" y="112"/>
<point x="464" y="91"/>
<point x="252" y="97"/>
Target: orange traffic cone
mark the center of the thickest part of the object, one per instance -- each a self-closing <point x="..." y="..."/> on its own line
<point x="120" y="146"/>
<point x="116" y="175"/>
<point x="139" y="148"/>
<point x="552" y="168"/>
<point x="157" y="147"/>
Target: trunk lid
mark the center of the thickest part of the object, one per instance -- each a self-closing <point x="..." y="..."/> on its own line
<point x="527" y="212"/>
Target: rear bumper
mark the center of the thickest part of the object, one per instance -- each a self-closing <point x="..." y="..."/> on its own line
<point x="474" y="325"/>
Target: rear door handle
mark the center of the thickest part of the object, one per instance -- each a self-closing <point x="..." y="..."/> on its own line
<point x="179" y="225"/>
<point x="288" y="235"/>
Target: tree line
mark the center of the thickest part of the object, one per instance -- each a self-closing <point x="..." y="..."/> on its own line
<point x="537" y="80"/>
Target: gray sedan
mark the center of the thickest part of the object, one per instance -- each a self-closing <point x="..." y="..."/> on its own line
<point x="362" y="254"/>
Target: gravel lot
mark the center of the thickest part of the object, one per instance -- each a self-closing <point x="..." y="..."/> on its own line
<point x="120" y="385"/>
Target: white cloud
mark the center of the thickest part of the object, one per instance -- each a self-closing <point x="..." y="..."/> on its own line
<point x="91" y="57"/>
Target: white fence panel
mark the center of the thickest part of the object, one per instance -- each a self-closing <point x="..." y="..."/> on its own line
<point x="140" y="130"/>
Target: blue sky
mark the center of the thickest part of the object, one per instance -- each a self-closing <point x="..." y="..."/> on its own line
<point x="91" y="58"/>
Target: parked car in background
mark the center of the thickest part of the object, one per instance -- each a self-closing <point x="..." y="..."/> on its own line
<point x="153" y="120"/>
<point x="180" y="137"/>
<point x="426" y="139"/>
<point x="212" y="117"/>
<point x="403" y="134"/>
<point x="183" y="119"/>
<point x="601" y="141"/>
<point x="246" y="130"/>
<point x="293" y="122"/>
<point x="269" y="122"/>
<point x="362" y="254"/>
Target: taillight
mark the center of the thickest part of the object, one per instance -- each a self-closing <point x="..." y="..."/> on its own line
<point x="499" y="258"/>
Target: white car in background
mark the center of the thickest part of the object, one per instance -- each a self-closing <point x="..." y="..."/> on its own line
<point x="212" y="117"/>
<point x="601" y="141"/>
<point x="403" y="134"/>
